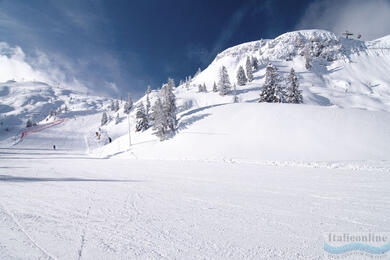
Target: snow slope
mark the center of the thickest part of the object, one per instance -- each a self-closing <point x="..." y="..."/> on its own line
<point x="58" y="205"/>
<point x="258" y="132"/>
<point x="345" y="115"/>
<point x="22" y="101"/>
<point x="345" y="73"/>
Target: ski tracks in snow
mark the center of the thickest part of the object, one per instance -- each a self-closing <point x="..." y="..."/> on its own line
<point x="5" y="211"/>
<point x="83" y="233"/>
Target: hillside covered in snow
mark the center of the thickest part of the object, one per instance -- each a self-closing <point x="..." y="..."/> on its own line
<point x="346" y="104"/>
<point x="345" y="110"/>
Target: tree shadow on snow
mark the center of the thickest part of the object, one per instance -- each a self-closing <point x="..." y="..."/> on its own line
<point x="26" y="153"/>
<point x="241" y="91"/>
<point x="33" y="149"/>
<point x="191" y="120"/>
<point x="85" y="157"/>
<point x="10" y="178"/>
<point x="196" y="110"/>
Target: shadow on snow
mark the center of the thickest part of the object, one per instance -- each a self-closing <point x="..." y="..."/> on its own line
<point x="10" y="178"/>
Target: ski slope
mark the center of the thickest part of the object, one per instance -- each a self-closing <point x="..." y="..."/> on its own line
<point x="75" y="207"/>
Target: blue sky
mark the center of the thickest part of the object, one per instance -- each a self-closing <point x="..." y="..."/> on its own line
<point x="119" y="46"/>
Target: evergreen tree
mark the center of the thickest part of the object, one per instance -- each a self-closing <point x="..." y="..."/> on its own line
<point x="128" y="105"/>
<point x="200" y="88"/>
<point x="164" y="111"/>
<point x="188" y="83"/>
<point x="159" y="120"/>
<point x="169" y="104"/>
<point x="116" y="108"/>
<point x="255" y="63"/>
<point x="142" y="119"/>
<point x="235" y="98"/>
<point x="197" y="72"/>
<point x="272" y="91"/>
<point x="104" y="119"/>
<point x="148" y="91"/>
<point x="204" y="88"/>
<point x="117" y="118"/>
<point x="307" y="57"/>
<point x="112" y="106"/>
<point x="224" y="85"/>
<point x="215" y="89"/>
<point x="241" y="78"/>
<point x="249" y="70"/>
<point x="294" y="94"/>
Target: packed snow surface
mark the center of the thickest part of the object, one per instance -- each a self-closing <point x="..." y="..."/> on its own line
<point x="65" y="205"/>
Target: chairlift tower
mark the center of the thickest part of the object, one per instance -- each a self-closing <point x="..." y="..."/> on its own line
<point x="347" y="34"/>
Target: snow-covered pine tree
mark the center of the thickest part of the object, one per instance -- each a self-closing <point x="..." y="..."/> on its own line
<point x="188" y="80"/>
<point x="147" y="106"/>
<point x="224" y="85"/>
<point x="116" y="106"/>
<point x="200" y="88"/>
<point x="235" y="97"/>
<point x="148" y="90"/>
<point x="294" y="94"/>
<point x="159" y="119"/>
<point x="197" y="72"/>
<point x="215" y="89"/>
<point x="117" y="118"/>
<point x="204" y="88"/>
<point x="241" y="78"/>
<point x="128" y="105"/>
<point x="255" y="63"/>
<point x="272" y="90"/>
<point x="307" y="57"/>
<point x="249" y="70"/>
<point x="104" y="119"/>
<point x="169" y="104"/>
<point x="112" y="106"/>
<point x="142" y="119"/>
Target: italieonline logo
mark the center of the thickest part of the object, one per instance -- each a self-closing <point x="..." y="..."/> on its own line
<point x="366" y="244"/>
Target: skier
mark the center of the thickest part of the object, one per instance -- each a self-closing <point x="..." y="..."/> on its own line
<point x="54" y="146"/>
<point x="109" y="139"/>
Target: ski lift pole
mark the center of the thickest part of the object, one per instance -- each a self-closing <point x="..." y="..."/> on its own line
<point x="128" y="121"/>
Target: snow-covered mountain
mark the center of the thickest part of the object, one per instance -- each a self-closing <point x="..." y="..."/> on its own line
<point x="346" y="73"/>
<point x="345" y="115"/>
<point x="344" y="92"/>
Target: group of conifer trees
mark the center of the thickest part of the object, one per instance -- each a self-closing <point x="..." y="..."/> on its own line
<point x="276" y="89"/>
<point x="162" y="115"/>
